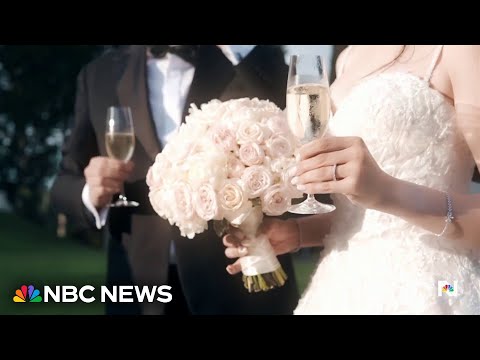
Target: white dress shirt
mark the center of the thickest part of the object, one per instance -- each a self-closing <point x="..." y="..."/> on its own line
<point x="169" y="80"/>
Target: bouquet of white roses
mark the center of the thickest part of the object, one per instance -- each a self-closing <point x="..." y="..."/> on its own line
<point x="229" y="163"/>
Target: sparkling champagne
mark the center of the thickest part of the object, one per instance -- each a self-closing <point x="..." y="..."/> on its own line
<point x="120" y="146"/>
<point x="308" y="110"/>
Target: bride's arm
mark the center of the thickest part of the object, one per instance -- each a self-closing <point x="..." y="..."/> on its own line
<point x="360" y="178"/>
<point x="415" y="203"/>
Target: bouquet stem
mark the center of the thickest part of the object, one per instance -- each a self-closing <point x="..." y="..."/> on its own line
<point x="265" y="282"/>
<point x="260" y="267"/>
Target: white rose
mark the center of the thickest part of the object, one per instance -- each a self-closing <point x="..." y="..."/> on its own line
<point x="256" y="179"/>
<point x="278" y="166"/>
<point x="206" y="203"/>
<point x="279" y="146"/>
<point x="277" y="124"/>
<point x="250" y="131"/>
<point x="239" y="104"/>
<point x="160" y="205"/>
<point x="208" y="113"/>
<point x="159" y="173"/>
<point x="235" y="167"/>
<point x="231" y="196"/>
<point x="224" y="138"/>
<point x="182" y="212"/>
<point x="206" y="167"/>
<point x="150" y="181"/>
<point x="192" y="228"/>
<point x="179" y="149"/>
<point x="251" y="154"/>
<point x="275" y="201"/>
<point x="234" y="202"/>
<point x="182" y="194"/>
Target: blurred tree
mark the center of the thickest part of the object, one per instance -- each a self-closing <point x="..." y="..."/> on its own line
<point x="37" y="90"/>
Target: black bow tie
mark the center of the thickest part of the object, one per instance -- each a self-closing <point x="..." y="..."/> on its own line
<point x="186" y="52"/>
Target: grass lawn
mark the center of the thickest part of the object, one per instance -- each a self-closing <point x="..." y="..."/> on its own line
<point x="304" y="264"/>
<point x="32" y="255"/>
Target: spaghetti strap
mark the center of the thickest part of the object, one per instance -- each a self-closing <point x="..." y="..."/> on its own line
<point x="345" y="58"/>
<point x="433" y="64"/>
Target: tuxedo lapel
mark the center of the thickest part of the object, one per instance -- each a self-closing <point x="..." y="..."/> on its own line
<point x="133" y="91"/>
<point x="213" y="72"/>
<point x="265" y="72"/>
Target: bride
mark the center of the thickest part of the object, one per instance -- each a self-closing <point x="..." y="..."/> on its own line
<point x="405" y="139"/>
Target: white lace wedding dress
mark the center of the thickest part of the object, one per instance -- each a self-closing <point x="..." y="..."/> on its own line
<point x="375" y="263"/>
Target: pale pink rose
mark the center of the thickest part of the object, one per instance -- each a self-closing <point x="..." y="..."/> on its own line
<point x="206" y="202"/>
<point x="251" y="154"/>
<point x="234" y="202"/>
<point x="277" y="124"/>
<point x="256" y="179"/>
<point x="192" y="227"/>
<point x="150" y="182"/>
<point x="157" y="199"/>
<point x="158" y="172"/>
<point x="278" y="165"/>
<point x="279" y="146"/>
<point x="182" y="194"/>
<point x="250" y="131"/>
<point x="275" y="200"/>
<point x="235" y="167"/>
<point x="206" y="167"/>
<point x="231" y="196"/>
<point x="224" y="138"/>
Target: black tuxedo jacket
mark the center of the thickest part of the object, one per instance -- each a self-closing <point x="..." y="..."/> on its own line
<point x="139" y="239"/>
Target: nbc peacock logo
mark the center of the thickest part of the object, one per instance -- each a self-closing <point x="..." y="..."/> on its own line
<point x="27" y="294"/>
<point x="447" y="289"/>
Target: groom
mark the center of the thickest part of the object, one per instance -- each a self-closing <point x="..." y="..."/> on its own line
<point x="159" y="82"/>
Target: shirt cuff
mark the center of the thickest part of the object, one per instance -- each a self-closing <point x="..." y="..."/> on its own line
<point x="100" y="218"/>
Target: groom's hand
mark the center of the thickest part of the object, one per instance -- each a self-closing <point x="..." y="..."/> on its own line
<point x="105" y="177"/>
<point x="284" y="236"/>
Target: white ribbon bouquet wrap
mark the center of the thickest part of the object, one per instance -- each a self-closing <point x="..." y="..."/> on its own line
<point x="229" y="165"/>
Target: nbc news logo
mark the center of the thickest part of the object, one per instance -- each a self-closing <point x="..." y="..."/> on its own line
<point x="70" y="294"/>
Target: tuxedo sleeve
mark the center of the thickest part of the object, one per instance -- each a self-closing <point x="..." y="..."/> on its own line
<point x="79" y="147"/>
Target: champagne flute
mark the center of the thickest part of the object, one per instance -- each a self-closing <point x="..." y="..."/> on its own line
<point x="120" y="143"/>
<point x="308" y="112"/>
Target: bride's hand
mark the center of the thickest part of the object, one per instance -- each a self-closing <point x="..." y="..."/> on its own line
<point x="284" y="236"/>
<point x="357" y="173"/>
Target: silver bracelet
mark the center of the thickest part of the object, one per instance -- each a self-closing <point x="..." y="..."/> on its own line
<point x="449" y="219"/>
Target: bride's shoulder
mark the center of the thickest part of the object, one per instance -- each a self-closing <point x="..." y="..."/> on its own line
<point x="339" y="64"/>
<point x="462" y="63"/>
<point x="461" y="49"/>
<point x="461" y="58"/>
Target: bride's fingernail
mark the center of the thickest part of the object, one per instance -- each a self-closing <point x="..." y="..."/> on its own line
<point x="242" y="250"/>
<point x="229" y="269"/>
<point x="295" y="180"/>
<point x="301" y="187"/>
